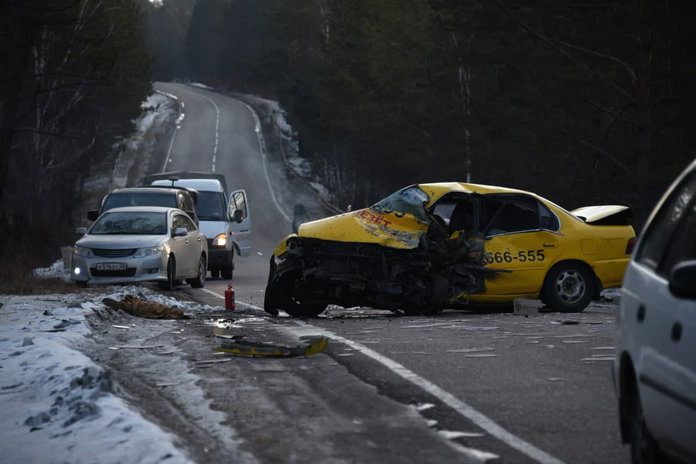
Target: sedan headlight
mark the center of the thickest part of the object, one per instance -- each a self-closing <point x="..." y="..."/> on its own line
<point x="142" y="252"/>
<point x="220" y="240"/>
<point x="84" y="252"/>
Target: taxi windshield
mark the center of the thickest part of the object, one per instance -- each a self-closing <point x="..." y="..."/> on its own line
<point x="409" y="200"/>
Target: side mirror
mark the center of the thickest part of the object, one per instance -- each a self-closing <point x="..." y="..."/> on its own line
<point x="92" y="215"/>
<point x="80" y="230"/>
<point x="238" y="215"/>
<point x="682" y="280"/>
<point x="180" y="232"/>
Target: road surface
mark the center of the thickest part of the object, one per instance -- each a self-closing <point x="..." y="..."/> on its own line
<point x="462" y="386"/>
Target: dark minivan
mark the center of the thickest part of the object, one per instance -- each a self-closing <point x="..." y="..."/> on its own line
<point x="171" y="197"/>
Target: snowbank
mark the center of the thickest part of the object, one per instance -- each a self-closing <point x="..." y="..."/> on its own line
<point x="58" y="405"/>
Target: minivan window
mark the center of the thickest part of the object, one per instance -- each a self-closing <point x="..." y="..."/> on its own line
<point x="660" y="231"/>
<point x="117" y="200"/>
<point x="211" y="207"/>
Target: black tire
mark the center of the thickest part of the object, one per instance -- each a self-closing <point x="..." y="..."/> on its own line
<point x="227" y="272"/>
<point x="569" y="287"/>
<point x="429" y="299"/>
<point x="171" y="275"/>
<point x="644" y="447"/>
<point x="287" y="296"/>
<point x="199" y="281"/>
<point x="438" y="294"/>
<point x="214" y="272"/>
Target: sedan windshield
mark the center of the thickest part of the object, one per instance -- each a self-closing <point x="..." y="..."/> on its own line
<point x="409" y="200"/>
<point x="130" y="223"/>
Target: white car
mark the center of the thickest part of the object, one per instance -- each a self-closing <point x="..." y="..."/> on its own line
<point x="141" y="243"/>
<point x="655" y="367"/>
<point x="225" y="218"/>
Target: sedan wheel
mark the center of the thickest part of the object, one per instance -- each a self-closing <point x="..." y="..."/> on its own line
<point x="171" y="272"/>
<point x="199" y="281"/>
<point x="568" y="287"/>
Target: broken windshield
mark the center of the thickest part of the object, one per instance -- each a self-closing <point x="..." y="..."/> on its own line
<point x="408" y="200"/>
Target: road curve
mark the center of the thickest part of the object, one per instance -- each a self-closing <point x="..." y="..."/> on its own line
<point x="219" y="133"/>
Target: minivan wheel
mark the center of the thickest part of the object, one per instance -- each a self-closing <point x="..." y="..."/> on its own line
<point x="171" y="272"/>
<point x="199" y="281"/>
<point x="214" y="272"/>
<point x="226" y="272"/>
<point x="644" y="447"/>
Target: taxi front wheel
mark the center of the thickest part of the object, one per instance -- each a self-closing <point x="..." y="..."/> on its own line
<point x="568" y="287"/>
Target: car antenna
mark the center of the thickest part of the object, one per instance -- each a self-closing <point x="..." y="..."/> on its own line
<point x="173" y="179"/>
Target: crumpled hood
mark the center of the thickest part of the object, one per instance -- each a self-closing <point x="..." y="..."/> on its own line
<point x="393" y="230"/>
<point x="117" y="242"/>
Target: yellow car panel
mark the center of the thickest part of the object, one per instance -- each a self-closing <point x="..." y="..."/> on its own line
<point x="393" y="230"/>
<point x="526" y="257"/>
<point x="421" y="251"/>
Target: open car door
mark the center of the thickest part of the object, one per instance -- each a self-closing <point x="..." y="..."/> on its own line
<point x="238" y="210"/>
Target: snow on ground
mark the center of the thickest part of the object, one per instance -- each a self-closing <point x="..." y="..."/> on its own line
<point x="57" y="404"/>
<point x="54" y="271"/>
<point x="200" y="85"/>
<point x="156" y="109"/>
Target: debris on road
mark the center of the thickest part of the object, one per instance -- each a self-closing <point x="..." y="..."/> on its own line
<point x="144" y="308"/>
<point x="268" y="350"/>
<point x="526" y="307"/>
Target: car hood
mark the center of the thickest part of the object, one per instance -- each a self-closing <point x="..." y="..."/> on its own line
<point x="115" y="242"/>
<point x="393" y="230"/>
<point x="211" y="229"/>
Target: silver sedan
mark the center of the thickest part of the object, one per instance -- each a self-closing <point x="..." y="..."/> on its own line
<point x="141" y="243"/>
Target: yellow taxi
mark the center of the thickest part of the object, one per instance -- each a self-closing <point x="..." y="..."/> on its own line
<point x="428" y="246"/>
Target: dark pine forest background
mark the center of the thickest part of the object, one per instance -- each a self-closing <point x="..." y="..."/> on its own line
<point x="584" y="102"/>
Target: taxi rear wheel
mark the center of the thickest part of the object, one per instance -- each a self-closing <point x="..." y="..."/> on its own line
<point x="568" y="287"/>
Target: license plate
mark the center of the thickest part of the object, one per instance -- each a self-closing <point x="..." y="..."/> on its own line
<point x="111" y="266"/>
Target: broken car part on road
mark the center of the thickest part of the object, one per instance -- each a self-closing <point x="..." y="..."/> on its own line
<point x="254" y="349"/>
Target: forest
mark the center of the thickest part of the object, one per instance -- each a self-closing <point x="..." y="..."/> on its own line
<point x="73" y="76"/>
<point x="581" y="102"/>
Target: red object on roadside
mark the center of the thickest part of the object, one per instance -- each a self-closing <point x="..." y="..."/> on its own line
<point x="229" y="298"/>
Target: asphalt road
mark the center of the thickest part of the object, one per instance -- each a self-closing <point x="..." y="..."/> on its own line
<point x="462" y="386"/>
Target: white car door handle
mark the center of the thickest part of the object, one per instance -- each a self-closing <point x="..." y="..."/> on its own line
<point x="186" y="241"/>
<point x="676" y="332"/>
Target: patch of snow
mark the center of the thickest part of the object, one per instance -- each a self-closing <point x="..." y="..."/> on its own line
<point x="200" y="85"/>
<point x="58" y="405"/>
<point x="54" y="271"/>
<point x="612" y="294"/>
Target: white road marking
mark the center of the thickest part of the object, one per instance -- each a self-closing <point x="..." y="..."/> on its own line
<point x="262" y="150"/>
<point x="463" y="408"/>
<point x="217" y="127"/>
<point x="180" y="118"/>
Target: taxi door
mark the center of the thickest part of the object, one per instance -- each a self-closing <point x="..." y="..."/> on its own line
<point x="241" y="227"/>
<point x="522" y="239"/>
